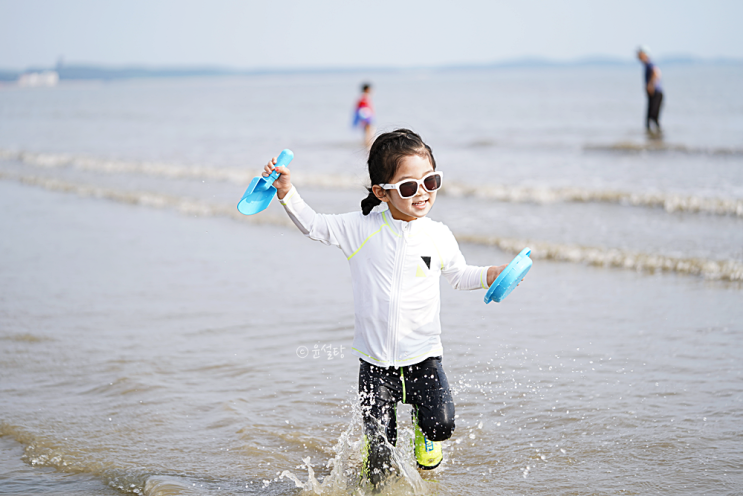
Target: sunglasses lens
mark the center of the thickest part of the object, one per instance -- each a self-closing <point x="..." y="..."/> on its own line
<point x="432" y="182"/>
<point x="408" y="189"/>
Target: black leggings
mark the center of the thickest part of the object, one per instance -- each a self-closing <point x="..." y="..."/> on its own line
<point x="654" y="102"/>
<point x="422" y="385"/>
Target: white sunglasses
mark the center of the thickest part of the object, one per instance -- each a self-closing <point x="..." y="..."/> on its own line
<point x="408" y="188"/>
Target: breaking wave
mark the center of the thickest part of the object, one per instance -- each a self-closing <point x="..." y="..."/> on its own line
<point x="241" y="175"/>
<point x="724" y="270"/>
<point x="146" y="199"/>
<point x="343" y="470"/>
<point x="43" y="451"/>
<point x="670" y="202"/>
<point x="661" y="146"/>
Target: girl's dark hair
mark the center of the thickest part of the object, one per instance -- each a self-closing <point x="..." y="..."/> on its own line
<point x="385" y="156"/>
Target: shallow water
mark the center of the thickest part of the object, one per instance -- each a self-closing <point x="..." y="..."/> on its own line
<point x="153" y="341"/>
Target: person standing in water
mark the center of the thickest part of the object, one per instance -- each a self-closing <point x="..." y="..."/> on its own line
<point x="397" y="256"/>
<point x="364" y="114"/>
<point x="653" y="89"/>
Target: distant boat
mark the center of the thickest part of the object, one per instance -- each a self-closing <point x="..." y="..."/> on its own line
<point x="38" y="79"/>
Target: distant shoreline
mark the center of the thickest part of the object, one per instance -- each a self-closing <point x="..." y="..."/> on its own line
<point x="107" y="73"/>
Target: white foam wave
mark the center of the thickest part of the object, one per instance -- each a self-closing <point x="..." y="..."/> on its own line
<point x="147" y="199"/>
<point x="661" y="146"/>
<point x="106" y="166"/>
<point x="44" y="451"/>
<point x="670" y="202"/>
<point x="168" y="170"/>
<point x="725" y="270"/>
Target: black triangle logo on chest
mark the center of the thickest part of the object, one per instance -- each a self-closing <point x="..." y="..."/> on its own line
<point x="427" y="261"/>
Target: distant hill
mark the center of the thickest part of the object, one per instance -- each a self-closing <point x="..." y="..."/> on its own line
<point x="9" y="75"/>
<point x="105" y="73"/>
<point x="93" y="72"/>
<point x="100" y="72"/>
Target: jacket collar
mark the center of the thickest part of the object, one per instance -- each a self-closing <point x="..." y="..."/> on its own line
<point x="399" y="226"/>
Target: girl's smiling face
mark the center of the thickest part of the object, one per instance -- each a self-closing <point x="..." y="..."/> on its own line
<point x="407" y="209"/>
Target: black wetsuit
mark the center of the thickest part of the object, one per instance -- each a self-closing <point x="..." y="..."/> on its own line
<point x="423" y="385"/>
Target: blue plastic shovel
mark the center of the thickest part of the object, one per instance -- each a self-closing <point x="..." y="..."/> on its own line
<point x="261" y="190"/>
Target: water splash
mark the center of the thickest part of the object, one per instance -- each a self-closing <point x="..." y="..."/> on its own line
<point x="345" y="467"/>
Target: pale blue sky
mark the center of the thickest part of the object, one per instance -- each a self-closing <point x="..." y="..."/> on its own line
<point x="350" y="33"/>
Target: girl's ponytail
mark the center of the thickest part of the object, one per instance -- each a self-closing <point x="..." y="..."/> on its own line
<point x="385" y="155"/>
<point x="368" y="203"/>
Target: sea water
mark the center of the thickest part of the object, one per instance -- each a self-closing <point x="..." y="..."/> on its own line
<point x="154" y="341"/>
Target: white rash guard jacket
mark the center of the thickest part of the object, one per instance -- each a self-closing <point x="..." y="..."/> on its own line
<point x="395" y="269"/>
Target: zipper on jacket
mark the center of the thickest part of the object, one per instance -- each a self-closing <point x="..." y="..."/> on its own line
<point x="397" y="283"/>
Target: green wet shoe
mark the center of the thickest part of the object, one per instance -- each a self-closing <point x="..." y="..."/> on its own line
<point x="428" y="454"/>
<point x="375" y="465"/>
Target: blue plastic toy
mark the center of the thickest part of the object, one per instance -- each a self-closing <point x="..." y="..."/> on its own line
<point x="261" y="190"/>
<point x="510" y="277"/>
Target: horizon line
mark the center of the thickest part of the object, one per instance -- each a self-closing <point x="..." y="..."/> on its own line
<point x="92" y="70"/>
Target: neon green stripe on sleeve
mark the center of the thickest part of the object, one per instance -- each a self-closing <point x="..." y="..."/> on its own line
<point x="485" y="281"/>
<point x="286" y="198"/>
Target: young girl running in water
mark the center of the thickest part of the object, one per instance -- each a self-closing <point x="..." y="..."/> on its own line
<point x="396" y="256"/>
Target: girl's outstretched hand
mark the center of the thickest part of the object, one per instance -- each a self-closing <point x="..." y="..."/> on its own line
<point x="283" y="184"/>
<point x="494" y="271"/>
